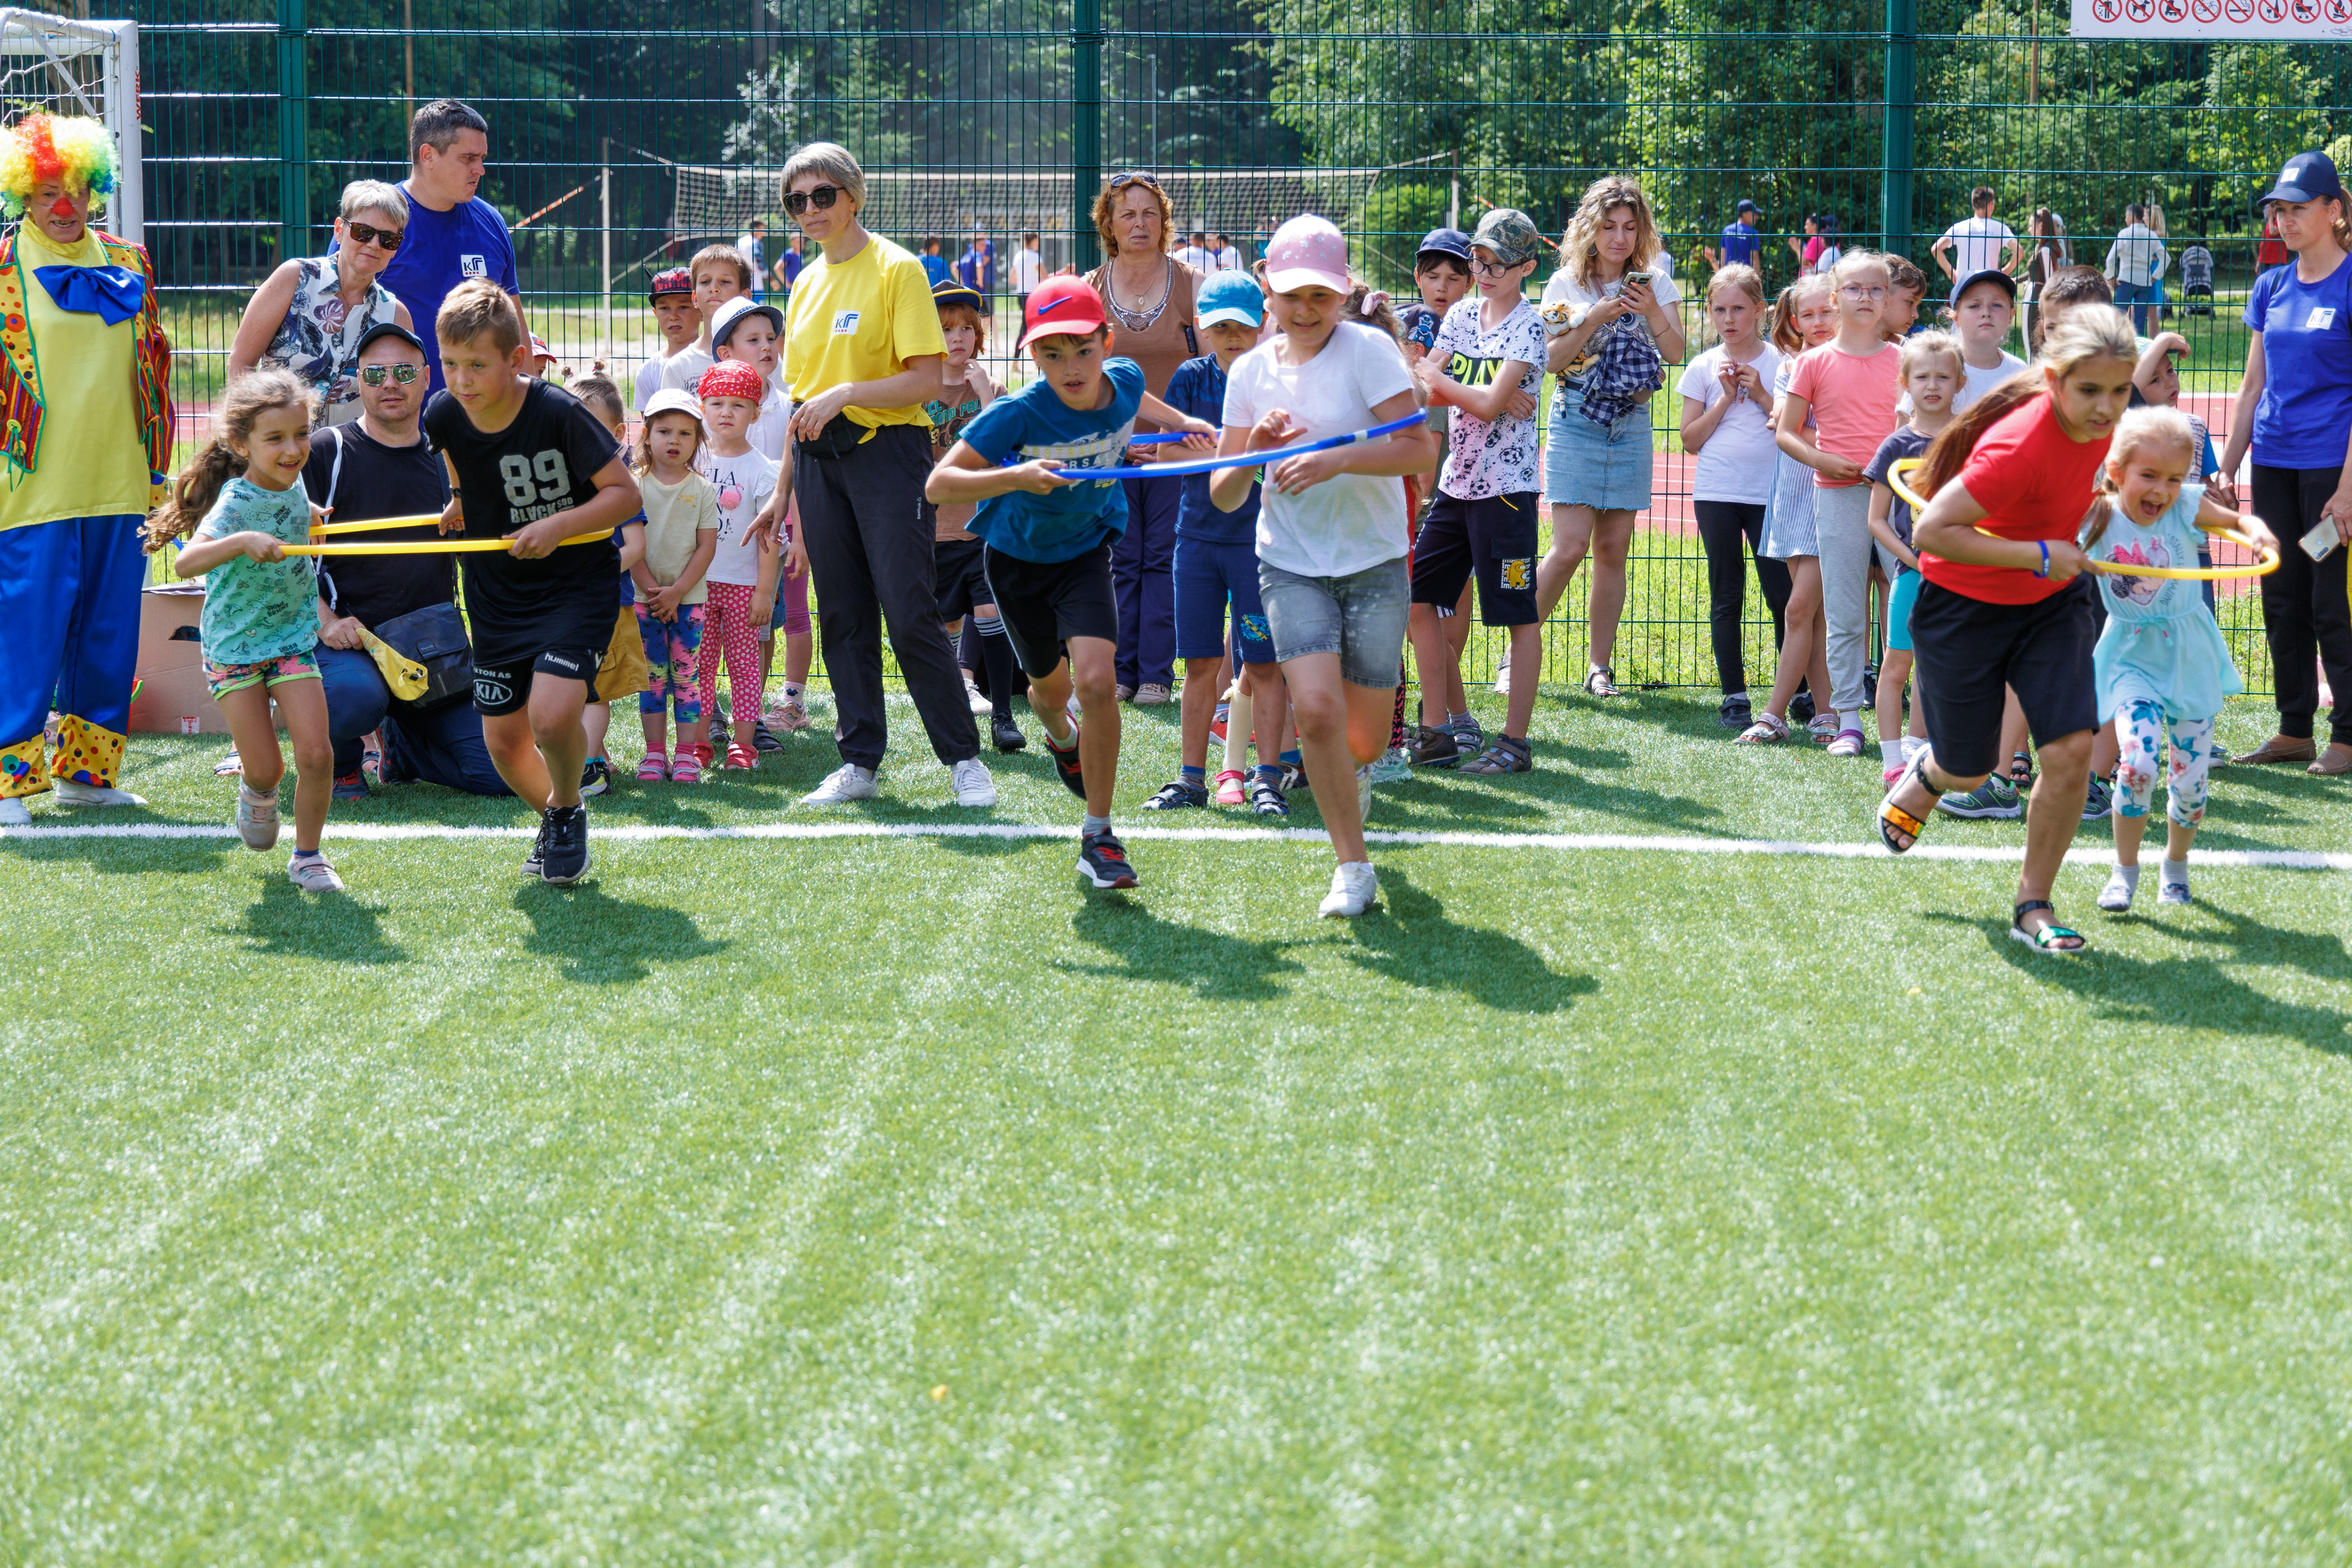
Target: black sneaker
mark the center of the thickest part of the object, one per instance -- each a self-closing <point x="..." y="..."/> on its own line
<point x="534" y="863"/>
<point x="1103" y="861"/>
<point x="720" y="731"/>
<point x="2098" y="802"/>
<point x="1006" y="734"/>
<point x="351" y="785"/>
<point x="1066" y="764"/>
<point x="1294" y="779"/>
<point x="1266" y="799"/>
<point x="1177" y="796"/>
<point x="1736" y="713"/>
<point x="594" y="779"/>
<point x="1800" y="708"/>
<point x="1432" y="748"/>
<point x="563" y="859"/>
<point x="1870" y="685"/>
<point x="763" y="739"/>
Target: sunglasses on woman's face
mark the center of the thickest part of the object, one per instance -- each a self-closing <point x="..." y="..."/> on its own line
<point x="368" y="234"/>
<point x="373" y="374"/>
<point x="820" y="198"/>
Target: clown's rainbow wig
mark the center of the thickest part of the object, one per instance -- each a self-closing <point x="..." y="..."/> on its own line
<point x="79" y="153"/>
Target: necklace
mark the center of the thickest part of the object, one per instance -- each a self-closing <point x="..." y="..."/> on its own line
<point x="1140" y="320"/>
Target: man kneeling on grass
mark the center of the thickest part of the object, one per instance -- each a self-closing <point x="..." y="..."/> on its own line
<point x="529" y="464"/>
<point x="1046" y="536"/>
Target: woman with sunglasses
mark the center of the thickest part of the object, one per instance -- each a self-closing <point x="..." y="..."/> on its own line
<point x="863" y="350"/>
<point x="315" y="310"/>
<point x="1148" y="296"/>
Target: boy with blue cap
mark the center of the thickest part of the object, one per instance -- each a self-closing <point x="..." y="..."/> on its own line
<point x="1216" y="564"/>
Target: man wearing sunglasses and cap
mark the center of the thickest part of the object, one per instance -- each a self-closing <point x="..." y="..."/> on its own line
<point x="382" y="466"/>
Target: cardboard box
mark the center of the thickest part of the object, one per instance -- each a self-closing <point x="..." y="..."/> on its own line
<point x="173" y="698"/>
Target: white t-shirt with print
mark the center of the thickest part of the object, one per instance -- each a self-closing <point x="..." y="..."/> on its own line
<point x="745" y="484"/>
<point x="1565" y="290"/>
<point x="1351" y="523"/>
<point x="1736" y="464"/>
<point x="1977" y="245"/>
<point x="1500" y="457"/>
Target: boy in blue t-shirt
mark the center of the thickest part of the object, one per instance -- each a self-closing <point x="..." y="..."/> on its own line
<point x="1046" y="536"/>
<point x="1216" y="560"/>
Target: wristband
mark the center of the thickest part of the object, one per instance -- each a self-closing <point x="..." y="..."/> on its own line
<point x="2044" y="572"/>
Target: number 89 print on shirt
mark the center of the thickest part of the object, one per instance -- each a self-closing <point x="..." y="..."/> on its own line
<point x="545" y="462"/>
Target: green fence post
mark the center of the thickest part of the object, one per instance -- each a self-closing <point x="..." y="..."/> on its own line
<point x="1086" y="128"/>
<point x="293" y="134"/>
<point x="1902" y="115"/>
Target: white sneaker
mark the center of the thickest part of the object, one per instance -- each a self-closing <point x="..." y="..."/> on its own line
<point x="14" y="814"/>
<point x="313" y="875"/>
<point x="2168" y="891"/>
<point x="2117" y="896"/>
<point x="973" y="787"/>
<point x="978" y="703"/>
<point x="1394" y="766"/>
<point x="844" y="783"/>
<point x="1503" y="676"/>
<point x="1153" y="695"/>
<point x="73" y="793"/>
<point x="257" y="818"/>
<point x="1354" y="890"/>
<point x="1364" y="794"/>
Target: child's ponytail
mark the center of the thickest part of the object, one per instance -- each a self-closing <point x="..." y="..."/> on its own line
<point x="248" y="397"/>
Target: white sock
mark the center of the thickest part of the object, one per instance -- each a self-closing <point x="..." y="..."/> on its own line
<point x="1850" y="721"/>
<point x="2130" y="875"/>
<point x="2176" y="873"/>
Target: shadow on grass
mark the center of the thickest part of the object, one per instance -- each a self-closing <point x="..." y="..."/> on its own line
<point x="1213" y="966"/>
<point x="125" y="857"/>
<point x="1411" y="940"/>
<point x="334" y="927"/>
<point x="604" y="940"/>
<point x="2197" y="988"/>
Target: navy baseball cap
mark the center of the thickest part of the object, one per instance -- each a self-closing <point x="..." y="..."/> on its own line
<point x="390" y="329"/>
<point x="1746" y="206"/>
<point x="2307" y="178"/>
<point x="1987" y="275"/>
<point x="1447" y="242"/>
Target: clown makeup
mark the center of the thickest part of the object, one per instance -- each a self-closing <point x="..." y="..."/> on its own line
<point x="62" y="215"/>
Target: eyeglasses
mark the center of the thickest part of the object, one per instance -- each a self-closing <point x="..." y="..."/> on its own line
<point x="1120" y="182"/>
<point x="368" y="234"/>
<point x="820" y="198"/>
<point x="1492" y="268"/>
<point x="1856" y="291"/>
<point x="373" y="374"/>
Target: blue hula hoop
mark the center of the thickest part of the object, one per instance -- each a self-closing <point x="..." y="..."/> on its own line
<point x="1251" y="459"/>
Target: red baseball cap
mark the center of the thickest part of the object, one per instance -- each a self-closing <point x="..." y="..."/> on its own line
<point x="1062" y="306"/>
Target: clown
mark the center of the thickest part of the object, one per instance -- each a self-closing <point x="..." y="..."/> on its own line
<point x="85" y="435"/>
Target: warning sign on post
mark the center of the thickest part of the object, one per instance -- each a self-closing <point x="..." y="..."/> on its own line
<point x="2263" y="21"/>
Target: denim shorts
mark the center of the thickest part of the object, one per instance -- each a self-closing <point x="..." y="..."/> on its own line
<point x="1606" y="468"/>
<point x="1361" y="618"/>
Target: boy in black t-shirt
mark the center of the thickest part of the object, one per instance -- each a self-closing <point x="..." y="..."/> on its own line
<point x="529" y="464"/>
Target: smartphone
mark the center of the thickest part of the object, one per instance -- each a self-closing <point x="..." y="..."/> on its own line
<point x="2322" y="540"/>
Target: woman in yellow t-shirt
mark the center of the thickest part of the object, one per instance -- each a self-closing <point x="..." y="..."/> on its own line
<point x="862" y="354"/>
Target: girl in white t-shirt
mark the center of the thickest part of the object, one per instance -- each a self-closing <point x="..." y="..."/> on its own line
<point x="1613" y="280"/>
<point x="1331" y="525"/>
<point x="1727" y="395"/>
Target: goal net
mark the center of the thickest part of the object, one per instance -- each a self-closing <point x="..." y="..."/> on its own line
<point x="56" y="65"/>
<point x="909" y="205"/>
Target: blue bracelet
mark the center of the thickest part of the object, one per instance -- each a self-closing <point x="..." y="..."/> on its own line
<point x="2044" y="572"/>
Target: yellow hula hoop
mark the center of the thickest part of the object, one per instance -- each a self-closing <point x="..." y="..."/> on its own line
<point x="2265" y="561"/>
<point x="434" y="547"/>
<point x="321" y="530"/>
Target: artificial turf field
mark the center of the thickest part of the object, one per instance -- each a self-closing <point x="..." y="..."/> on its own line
<point x="889" y="1200"/>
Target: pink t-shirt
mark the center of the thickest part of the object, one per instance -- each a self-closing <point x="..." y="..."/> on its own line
<point x="1853" y="402"/>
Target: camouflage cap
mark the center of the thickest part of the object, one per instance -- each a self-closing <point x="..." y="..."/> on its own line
<point x="1510" y="234"/>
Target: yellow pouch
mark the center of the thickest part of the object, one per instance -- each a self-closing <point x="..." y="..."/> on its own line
<point x="405" y="676"/>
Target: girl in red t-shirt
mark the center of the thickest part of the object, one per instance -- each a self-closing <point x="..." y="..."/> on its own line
<point x="2005" y="607"/>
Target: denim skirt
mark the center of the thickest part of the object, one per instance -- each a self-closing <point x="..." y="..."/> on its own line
<point x="1606" y="468"/>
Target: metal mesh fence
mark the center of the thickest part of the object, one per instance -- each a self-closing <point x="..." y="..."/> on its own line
<point x="623" y="137"/>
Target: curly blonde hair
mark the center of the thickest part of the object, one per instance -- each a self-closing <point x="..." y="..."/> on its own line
<point x="1107" y="202"/>
<point x="1579" y="247"/>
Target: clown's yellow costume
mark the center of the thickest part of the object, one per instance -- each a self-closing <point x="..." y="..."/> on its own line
<point x="85" y="440"/>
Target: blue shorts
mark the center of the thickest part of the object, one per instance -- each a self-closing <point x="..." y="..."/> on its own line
<point x="1898" y="611"/>
<point x="1208" y="577"/>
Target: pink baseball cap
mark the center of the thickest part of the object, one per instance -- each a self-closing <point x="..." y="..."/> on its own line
<point x="1307" y="252"/>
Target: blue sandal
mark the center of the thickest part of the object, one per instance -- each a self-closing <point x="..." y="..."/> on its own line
<point x="2052" y="938"/>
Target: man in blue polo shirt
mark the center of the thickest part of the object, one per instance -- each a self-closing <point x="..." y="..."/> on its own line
<point x="453" y="233"/>
<point x="1740" y="242"/>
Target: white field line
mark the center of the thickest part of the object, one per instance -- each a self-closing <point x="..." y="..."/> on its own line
<point x="2274" y="859"/>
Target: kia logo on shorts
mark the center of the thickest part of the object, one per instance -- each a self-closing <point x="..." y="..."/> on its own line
<point x="492" y="692"/>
